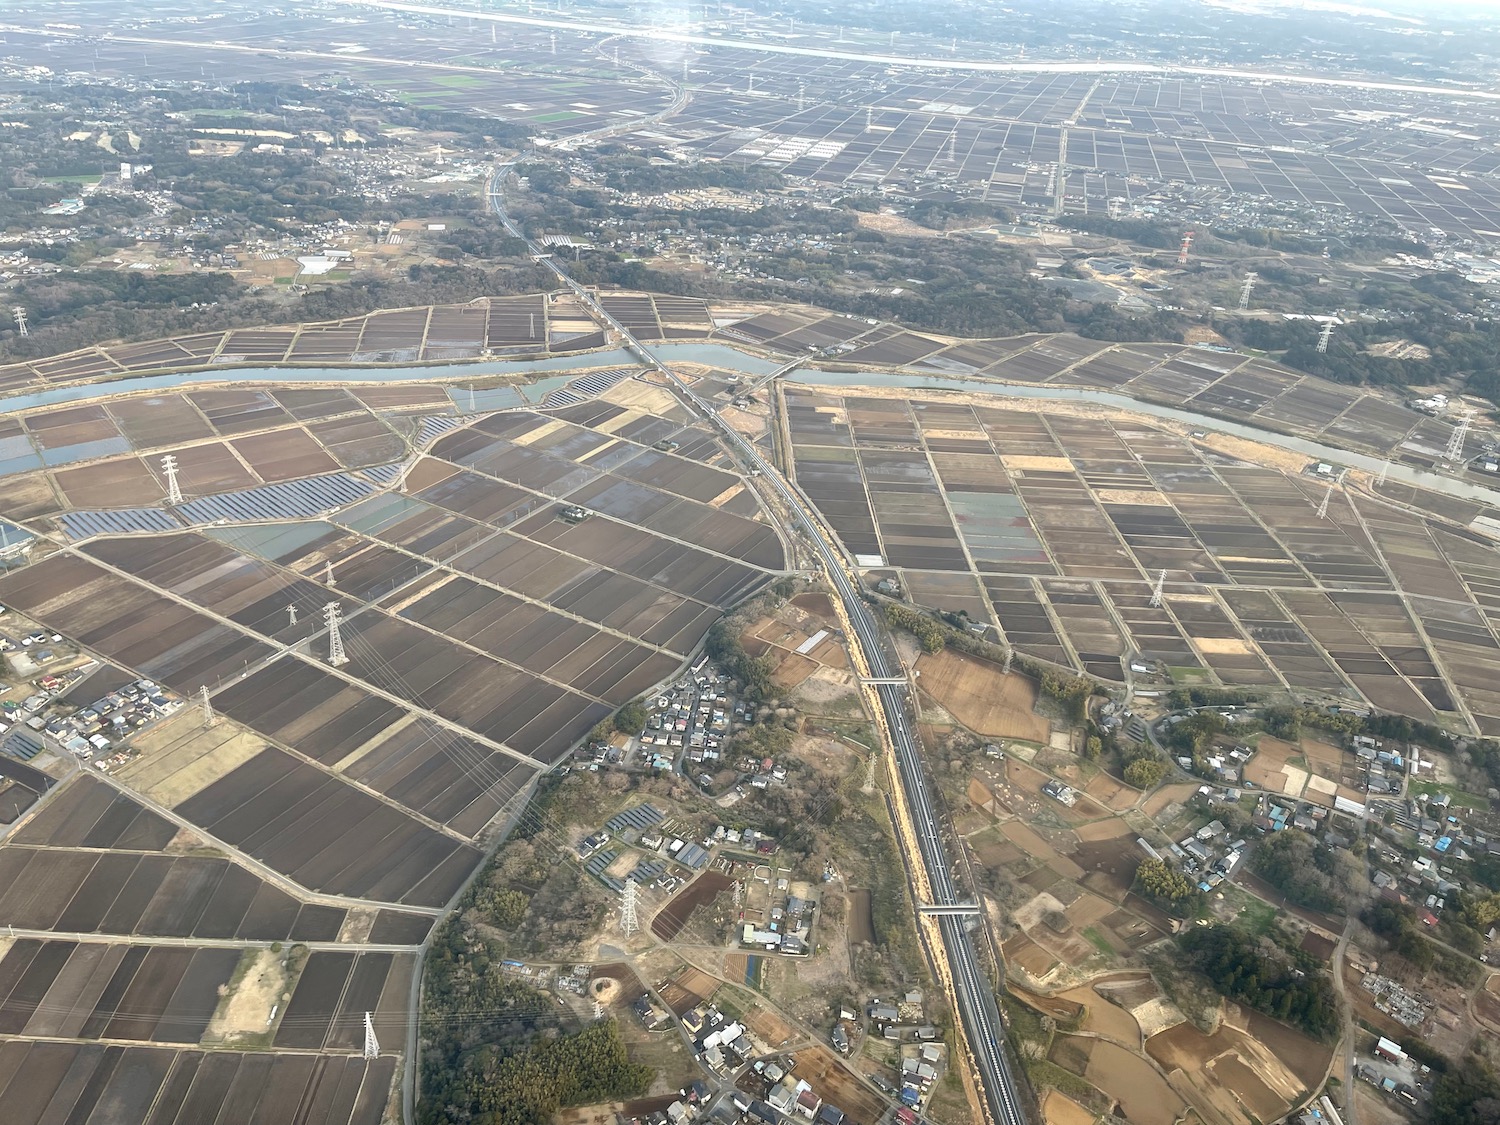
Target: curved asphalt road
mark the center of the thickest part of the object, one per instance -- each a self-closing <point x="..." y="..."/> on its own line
<point x="976" y="998"/>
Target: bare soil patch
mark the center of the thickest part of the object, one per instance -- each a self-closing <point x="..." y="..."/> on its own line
<point x="670" y="920"/>
<point x="774" y="1031"/>
<point x="179" y="757"/>
<point x="1106" y="1019"/>
<point x="1029" y="841"/>
<point x="1166" y="796"/>
<point x="1143" y="1094"/>
<point x="1112" y="829"/>
<point x="1110" y="866"/>
<point x="1059" y="1109"/>
<point x="821" y="1069"/>
<point x="687" y="990"/>
<point x="981" y="697"/>
<point x="1246" y="1085"/>
<point x="1111" y="792"/>
<point x="1025" y="954"/>
<point x="246" y="1009"/>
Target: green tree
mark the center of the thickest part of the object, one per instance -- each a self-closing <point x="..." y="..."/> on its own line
<point x="1145" y="773"/>
<point x="1159" y="880"/>
<point x="631" y="719"/>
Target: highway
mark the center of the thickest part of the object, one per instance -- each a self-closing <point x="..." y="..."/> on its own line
<point x="976" y="999"/>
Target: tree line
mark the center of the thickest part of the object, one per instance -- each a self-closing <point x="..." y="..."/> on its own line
<point x="1285" y="984"/>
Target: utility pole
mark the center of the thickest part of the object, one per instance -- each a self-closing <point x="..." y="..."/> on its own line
<point x="1158" y="590"/>
<point x="372" y="1045"/>
<point x="335" y="638"/>
<point x="169" y="470"/>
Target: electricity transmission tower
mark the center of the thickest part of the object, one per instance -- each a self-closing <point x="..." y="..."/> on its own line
<point x="328" y="572"/>
<point x="1010" y="653"/>
<point x="335" y="638"/>
<point x="1245" y="291"/>
<point x="372" y="1045"/>
<point x="20" y="314"/>
<point x="206" y="705"/>
<point x="1158" y="589"/>
<point x="1323" y="507"/>
<point x="1455" y="452"/>
<point x="629" y="919"/>
<point x="169" y="470"/>
<point x="1385" y="468"/>
<point x="291" y="615"/>
<point x="1324" y="335"/>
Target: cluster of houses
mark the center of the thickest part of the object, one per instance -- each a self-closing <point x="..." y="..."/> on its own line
<point x="687" y="1107"/>
<point x="787" y="927"/>
<point x="1221" y="765"/>
<point x="691" y="719"/>
<point x="921" y="1049"/>
<point x="746" y="840"/>
<point x="643" y="831"/>
<point x="1384" y="771"/>
<point x="1210" y="855"/>
<point x="93" y="733"/>
<point x="785" y="1097"/>
<point x="1442" y="839"/>
<point x="721" y="1044"/>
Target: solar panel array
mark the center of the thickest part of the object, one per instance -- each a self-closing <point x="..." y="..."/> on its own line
<point x="587" y="386"/>
<point x="83" y="525"/>
<point x="641" y="817"/>
<point x="435" y="425"/>
<point x="293" y="499"/>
